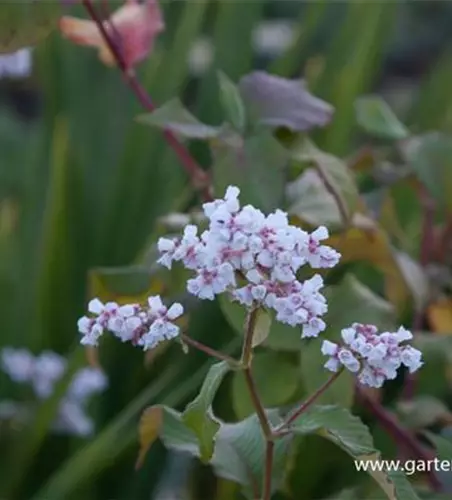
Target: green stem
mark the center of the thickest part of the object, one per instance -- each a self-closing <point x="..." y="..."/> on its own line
<point x="284" y="427"/>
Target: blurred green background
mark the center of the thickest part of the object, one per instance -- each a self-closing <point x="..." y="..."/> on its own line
<point x="82" y="187"/>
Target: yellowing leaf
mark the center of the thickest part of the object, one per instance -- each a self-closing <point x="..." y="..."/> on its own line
<point x="439" y="316"/>
<point x="261" y="327"/>
<point x="124" y="285"/>
<point x="373" y="246"/>
<point x="149" y="428"/>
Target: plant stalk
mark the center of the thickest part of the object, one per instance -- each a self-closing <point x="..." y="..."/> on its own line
<point x="199" y="178"/>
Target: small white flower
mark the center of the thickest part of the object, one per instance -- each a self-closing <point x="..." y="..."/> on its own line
<point x="18" y="364"/>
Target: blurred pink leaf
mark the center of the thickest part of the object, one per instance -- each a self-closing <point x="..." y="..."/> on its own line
<point x="136" y="24"/>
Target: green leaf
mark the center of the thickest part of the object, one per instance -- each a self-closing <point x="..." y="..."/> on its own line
<point x="232" y="102"/>
<point x="375" y="116"/>
<point x="349" y="433"/>
<point x="277" y="379"/>
<point x="430" y="156"/>
<point x="25" y="23"/>
<point x="281" y="337"/>
<point x="173" y="116"/>
<point x="240" y="453"/>
<point x="443" y="446"/>
<point x="262" y="327"/>
<point x="423" y="411"/>
<point x="198" y="415"/>
<point x="255" y="164"/>
<point x="335" y="174"/>
<point x="310" y="201"/>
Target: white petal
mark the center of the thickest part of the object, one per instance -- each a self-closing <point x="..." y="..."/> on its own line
<point x="95" y="306"/>
<point x="175" y="311"/>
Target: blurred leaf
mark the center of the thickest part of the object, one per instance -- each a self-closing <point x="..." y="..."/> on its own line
<point x="415" y="278"/>
<point x="232" y="102"/>
<point x="335" y="174"/>
<point x="430" y="156"/>
<point x="149" y="429"/>
<point x="125" y="285"/>
<point x="279" y="102"/>
<point x="25" y="23"/>
<point x="240" y="451"/>
<point x="375" y="116"/>
<point x="198" y="415"/>
<point x="262" y="327"/>
<point x="349" y="433"/>
<point x="255" y="164"/>
<point x="277" y="380"/>
<point x="443" y="446"/>
<point x="423" y="411"/>
<point x="374" y="247"/>
<point x="310" y="201"/>
<point x="173" y="116"/>
<point x="439" y="315"/>
<point x="352" y="60"/>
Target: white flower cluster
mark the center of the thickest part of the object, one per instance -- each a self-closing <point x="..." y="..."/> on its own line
<point x="144" y="326"/>
<point x="263" y="252"/>
<point x="374" y="357"/>
<point x="43" y="372"/>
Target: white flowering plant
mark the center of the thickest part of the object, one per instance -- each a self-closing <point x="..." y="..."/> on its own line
<point x="255" y="259"/>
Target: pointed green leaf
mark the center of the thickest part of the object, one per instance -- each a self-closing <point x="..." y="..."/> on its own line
<point x="375" y="116"/>
<point x="256" y="164"/>
<point x="175" y="117"/>
<point x="198" y="415"/>
<point x="232" y="102"/>
<point x="310" y="201"/>
<point x="262" y="327"/>
<point x="334" y="173"/>
<point x="349" y="433"/>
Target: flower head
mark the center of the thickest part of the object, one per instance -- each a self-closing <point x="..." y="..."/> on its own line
<point x="146" y="326"/>
<point x="135" y="24"/>
<point x="374" y="357"/>
<point x="255" y="258"/>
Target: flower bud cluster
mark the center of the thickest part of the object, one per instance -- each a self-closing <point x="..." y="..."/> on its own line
<point x="43" y="372"/>
<point x="374" y="357"/>
<point x="144" y="326"/>
<point x="255" y="258"/>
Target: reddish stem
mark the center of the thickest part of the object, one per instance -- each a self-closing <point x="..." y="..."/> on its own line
<point x="198" y="176"/>
<point x="208" y="350"/>
<point x="267" y="486"/>
<point x="283" y="428"/>
<point x="400" y="435"/>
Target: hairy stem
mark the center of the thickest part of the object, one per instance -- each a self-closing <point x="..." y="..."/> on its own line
<point x="199" y="178"/>
<point x="293" y="415"/>
<point x="208" y="350"/>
